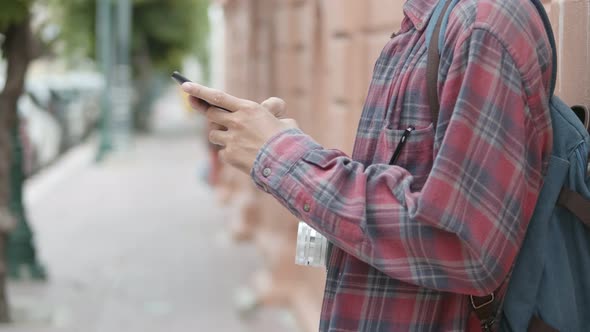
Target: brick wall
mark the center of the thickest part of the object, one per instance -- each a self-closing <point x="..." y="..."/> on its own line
<point x="318" y="55"/>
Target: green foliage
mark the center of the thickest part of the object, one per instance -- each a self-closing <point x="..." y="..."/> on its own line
<point x="77" y="23"/>
<point x="164" y="30"/>
<point x="170" y="29"/>
<point x="13" y="11"/>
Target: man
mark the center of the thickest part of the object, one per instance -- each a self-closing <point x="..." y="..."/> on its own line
<point x="413" y="239"/>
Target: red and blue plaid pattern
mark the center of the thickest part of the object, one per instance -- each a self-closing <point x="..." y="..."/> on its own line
<point x="412" y="240"/>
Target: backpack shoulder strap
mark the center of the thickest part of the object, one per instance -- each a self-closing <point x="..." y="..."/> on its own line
<point x="551" y="37"/>
<point x="433" y="58"/>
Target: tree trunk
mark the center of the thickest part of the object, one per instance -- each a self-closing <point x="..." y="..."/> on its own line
<point x="17" y="51"/>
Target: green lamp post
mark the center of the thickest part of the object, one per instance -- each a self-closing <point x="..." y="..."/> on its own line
<point x="104" y="55"/>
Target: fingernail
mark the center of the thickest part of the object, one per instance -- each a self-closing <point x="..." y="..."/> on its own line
<point x="186" y="87"/>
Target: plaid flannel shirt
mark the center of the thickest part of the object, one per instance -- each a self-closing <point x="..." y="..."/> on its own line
<point x="412" y="240"/>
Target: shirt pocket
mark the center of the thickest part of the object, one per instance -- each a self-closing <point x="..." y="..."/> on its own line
<point x="415" y="155"/>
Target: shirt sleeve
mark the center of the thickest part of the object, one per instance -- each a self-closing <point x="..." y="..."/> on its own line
<point x="461" y="232"/>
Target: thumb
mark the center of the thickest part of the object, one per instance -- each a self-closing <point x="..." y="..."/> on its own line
<point x="291" y="123"/>
<point x="276" y="106"/>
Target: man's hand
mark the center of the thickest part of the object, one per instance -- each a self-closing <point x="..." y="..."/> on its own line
<point x="244" y="129"/>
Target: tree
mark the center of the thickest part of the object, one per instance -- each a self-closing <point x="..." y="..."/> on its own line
<point x="17" y="50"/>
<point x="164" y="32"/>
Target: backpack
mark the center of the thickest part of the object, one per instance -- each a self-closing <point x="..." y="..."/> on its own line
<point x="549" y="287"/>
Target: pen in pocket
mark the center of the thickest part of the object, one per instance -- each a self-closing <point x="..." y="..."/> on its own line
<point x="401" y="144"/>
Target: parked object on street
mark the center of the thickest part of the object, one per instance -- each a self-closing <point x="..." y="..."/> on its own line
<point x="57" y="113"/>
<point x="74" y="100"/>
<point x="42" y="131"/>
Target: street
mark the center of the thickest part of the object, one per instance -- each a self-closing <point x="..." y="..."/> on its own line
<point x="137" y="243"/>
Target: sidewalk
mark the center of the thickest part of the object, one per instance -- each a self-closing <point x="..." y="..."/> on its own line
<point x="137" y="243"/>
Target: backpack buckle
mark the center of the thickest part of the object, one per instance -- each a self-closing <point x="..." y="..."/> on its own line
<point x="481" y="305"/>
<point x="484" y="308"/>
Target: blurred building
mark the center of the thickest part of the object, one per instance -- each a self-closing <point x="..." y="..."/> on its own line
<point x="318" y="55"/>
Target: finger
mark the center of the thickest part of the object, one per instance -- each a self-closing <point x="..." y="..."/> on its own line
<point x="222" y="154"/>
<point x="291" y="123"/>
<point x="215" y="126"/>
<point x="198" y="104"/>
<point x="216" y="97"/>
<point x="276" y="106"/>
<point x="218" y="137"/>
<point x="219" y="116"/>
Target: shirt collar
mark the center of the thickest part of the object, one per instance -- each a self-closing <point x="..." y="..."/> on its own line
<point x="419" y="11"/>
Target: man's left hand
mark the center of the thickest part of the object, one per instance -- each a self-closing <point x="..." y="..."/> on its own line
<point x="248" y="125"/>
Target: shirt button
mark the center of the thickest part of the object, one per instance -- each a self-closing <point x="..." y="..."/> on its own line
<point x="306" y="207"/>
<point x="266" y="172"/>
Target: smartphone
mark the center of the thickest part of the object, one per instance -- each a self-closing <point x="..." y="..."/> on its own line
<point x="179" y="78"/>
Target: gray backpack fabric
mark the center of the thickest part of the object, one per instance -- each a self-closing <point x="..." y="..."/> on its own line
<point x="549" y="288"/>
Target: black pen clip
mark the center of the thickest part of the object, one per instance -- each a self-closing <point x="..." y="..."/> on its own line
<point x="401" y="144"/>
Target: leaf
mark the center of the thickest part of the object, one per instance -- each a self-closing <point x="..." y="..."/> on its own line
<point x="13" y="11"/>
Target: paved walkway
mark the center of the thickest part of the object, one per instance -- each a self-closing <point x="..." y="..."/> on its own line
<point x="137" y="243"/>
